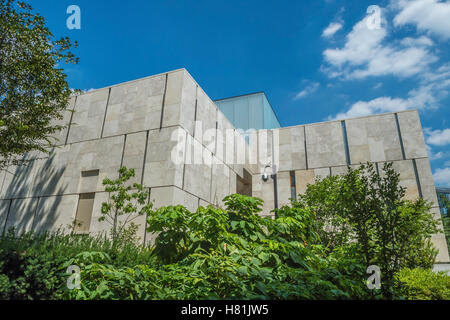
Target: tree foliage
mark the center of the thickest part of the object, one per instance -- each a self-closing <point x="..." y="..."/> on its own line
<point x="370" y="210"/>
<point x="125" y="204"/>
<point x="33" y="89"/>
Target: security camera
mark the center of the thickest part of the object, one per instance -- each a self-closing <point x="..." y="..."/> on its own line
<point x="265" y="176"/>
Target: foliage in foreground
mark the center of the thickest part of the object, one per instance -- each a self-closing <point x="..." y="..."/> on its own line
<point x="423" y="284"/>
<point x="226" y="254"/>
<point x="317" y="248"/>
<point x="370" y="210"/>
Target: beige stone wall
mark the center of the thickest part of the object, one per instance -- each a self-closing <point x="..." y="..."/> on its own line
<point x="145" y="124"/>
<point x="137" y="124"/>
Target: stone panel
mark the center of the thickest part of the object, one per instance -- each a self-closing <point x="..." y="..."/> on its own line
<point x="165" y="157"/>
<point x="321" y="173"/>
<point x="426" y="180"/>
<point x="264" y="190"/>
<point x="21" y="215"/>
<point x="179" y="104"/>
<point x="220" y="183"/>
<point x="134" y="154"/>
<point x="339" y="170"/>
<point x="55" y="213"/>
<point x="407" y="177"/>
<point x="283" y="188"/>
<point x="292" y="148"/>
<point x="197" y="174"/>
<point x="205" y="127"/>
<point x="18" y="181"/>
<point x="412" y="135"/>
<point x="225" y="140"/>
<point x="302" y="179"/>
<point x="60" y="136"/>
<point x="61" y="172"/>
<point x="4" y="206"/>
<point x="135" y="106"/>
<point x="171" y="196"/>
<point x="233" y="182"/>
<point x="325" y="145"/>
<point x="373" y="139"/>
<point x="87" y="120"/>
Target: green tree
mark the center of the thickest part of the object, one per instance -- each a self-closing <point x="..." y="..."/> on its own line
<point x="369" y="209"/>
<point x="125" y="203"/>
<point x="33" y="90"/>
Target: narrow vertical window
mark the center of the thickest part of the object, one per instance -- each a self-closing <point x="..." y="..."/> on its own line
<point x="84" y="213"/>
<point x="293" y="188"/>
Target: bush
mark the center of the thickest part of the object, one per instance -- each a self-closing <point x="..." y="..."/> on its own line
<point x="370" y="210"/>
<point x="31" y="264"/>
<point x="422" y="284"/>
<point x="227" y="254"/>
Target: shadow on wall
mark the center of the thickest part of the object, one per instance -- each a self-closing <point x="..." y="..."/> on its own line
<point x="33" y="198"/>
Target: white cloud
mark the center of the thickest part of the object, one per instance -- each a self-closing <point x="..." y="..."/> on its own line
<point x="421" y="41"/>
<point x="442" y="177"/>
<point x="421" y="98"/>
<point x="432" y="16"/>
<point x="307" y="91"/>
<point x="437" y="137"/>
<point x="365" y="54"/>
<point x="332" y="28"/>
<point x="378" y="85"/>
<point x="434" y="156"/>
<point x="378" y="105"/>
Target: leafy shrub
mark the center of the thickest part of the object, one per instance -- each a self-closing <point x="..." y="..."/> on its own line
<point x="30" y="264"/>
<point x="227" y="254"/>
<point x="370" y="210"/>
<point x="422" y="284"/>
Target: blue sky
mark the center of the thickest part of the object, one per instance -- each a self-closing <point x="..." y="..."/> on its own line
<point x="316" y="60"/>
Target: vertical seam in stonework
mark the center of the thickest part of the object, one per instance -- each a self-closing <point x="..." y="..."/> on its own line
<point x="306" y="151"/>
<point x="400" y="135"/>
<point x="345" y="137"/>
<point x="215" y="134"/>
<point x="416" y="173"/>
<point x="330" y="172"/>
<point x="106" y="111"/>
<point x="7" y="216"/>
<point x="145" y="157"/>
<point x="184" y="163"/>
<point x="145" y="225"/>
<point x="70" y="121"/>
<point x="195" y="110"/>
<point x="123" y="150"/>
<point x="163" y="103"/>
<point x="376" y="167"/>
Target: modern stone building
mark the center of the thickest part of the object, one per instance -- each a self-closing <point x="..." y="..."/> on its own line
<point x="188" y="150"/>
